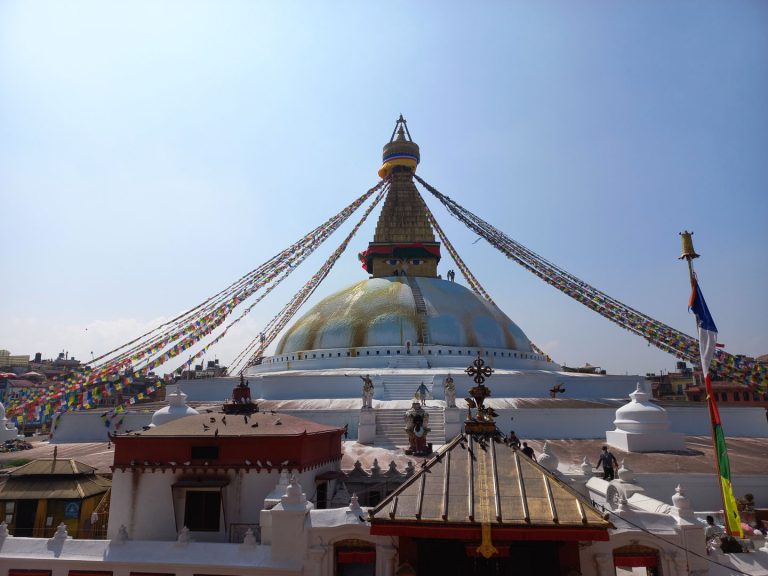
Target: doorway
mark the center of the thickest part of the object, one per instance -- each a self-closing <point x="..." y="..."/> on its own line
<point x="26" y="510"/>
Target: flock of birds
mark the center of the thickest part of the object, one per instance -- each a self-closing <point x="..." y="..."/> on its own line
<point x="266" y="465"/>
<point x="212" y="422"/>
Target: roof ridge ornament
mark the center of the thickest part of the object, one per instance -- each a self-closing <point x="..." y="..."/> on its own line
<point x="483" y="422"/>
<point x="401" y="130"/>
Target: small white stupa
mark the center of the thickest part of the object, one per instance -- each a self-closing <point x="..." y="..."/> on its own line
<point x="7" y="430"/>
<point x="642" y="426"/>
<point x="177" y="407"/>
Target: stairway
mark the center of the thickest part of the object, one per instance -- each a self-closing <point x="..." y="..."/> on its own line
<point x="402" y="386"/>
<point x="390" y="426"/>
<point x="421" y="310"/>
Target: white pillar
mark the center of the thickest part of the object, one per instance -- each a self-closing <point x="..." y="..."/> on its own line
<point x="366" y="430"/>
<point x="313" y="563"/>
<point x="453" y="423"/>
<point x="385" y="560"/>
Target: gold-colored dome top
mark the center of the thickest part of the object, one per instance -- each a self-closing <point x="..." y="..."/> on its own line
<point x="400" y="152"/>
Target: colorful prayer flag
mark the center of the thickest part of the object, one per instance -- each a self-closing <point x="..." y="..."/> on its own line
<point x="707" y="345"/>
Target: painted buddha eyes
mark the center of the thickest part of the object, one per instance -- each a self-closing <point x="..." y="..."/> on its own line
<point x="396" y="261"/>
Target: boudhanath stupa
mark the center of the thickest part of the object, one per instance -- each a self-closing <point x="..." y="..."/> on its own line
<point x="399" y="342"/>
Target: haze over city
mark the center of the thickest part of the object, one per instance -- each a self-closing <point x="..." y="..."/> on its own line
<point x="151" y="154"/>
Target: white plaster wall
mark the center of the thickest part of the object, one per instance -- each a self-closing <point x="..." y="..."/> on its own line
<point x="156" y="519"/>
<point x="532" y="384"/>
<point x="702" y="490"/>
<point x="87" y="426"/>
<point x="143" y="503"/>
<point x="212" y="389"/>
<point x="582" y="423"/>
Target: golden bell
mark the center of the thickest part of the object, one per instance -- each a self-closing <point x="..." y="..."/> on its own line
<point x="688" y="252"/>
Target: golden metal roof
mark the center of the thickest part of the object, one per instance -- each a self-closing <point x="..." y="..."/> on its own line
<point x="486" y="483"/>
<point x="53" y="467"/>
<point x="51" y="488"/>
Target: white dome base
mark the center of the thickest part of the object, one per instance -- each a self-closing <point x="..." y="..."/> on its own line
<point x="646" y="441"/>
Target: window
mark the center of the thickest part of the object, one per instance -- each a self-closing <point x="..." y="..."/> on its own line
<point x="205" y="453"/>
<point x="13" y="572"/>
<point x="745" y="395"/>
<point x="202" y="510"/>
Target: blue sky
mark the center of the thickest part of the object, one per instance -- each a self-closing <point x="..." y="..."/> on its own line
<point x="152" y="152"/>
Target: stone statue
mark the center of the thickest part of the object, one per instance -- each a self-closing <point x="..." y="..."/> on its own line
<point x="450" y="392"/>
<point x="416" y="426"/>
<point x="367" y="391"/>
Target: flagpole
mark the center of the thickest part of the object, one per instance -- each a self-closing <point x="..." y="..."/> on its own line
<point x="689" y="254"/>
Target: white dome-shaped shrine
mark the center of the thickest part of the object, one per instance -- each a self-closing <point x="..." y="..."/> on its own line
<point x="642" y="426"/>
<point x="392" y="311"/>
<point x="641" y="415"/>
<point x="177" y="407"/>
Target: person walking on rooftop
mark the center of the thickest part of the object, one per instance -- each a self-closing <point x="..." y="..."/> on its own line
<point x="422" y="392"/>
<point x="608" y="461"/>
<point x="528" y="451"/>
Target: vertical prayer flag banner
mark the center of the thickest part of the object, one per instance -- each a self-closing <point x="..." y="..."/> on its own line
<point x="707" y="346"/>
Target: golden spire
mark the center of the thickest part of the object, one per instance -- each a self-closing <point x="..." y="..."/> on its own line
<point x="404" y="242"/>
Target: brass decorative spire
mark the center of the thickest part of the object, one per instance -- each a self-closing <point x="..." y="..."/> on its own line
<point x="404" y="242"/>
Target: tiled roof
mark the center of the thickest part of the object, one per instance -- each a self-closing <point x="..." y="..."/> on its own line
<point x="465" y="484"/>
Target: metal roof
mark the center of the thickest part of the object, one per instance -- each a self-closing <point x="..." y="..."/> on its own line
<point x="53" y="467"/>
<point x="52" y="488"/>
<point x="471" y="483"/>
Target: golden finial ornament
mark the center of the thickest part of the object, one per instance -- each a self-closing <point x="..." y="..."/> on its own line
<point x="688" y="252"/>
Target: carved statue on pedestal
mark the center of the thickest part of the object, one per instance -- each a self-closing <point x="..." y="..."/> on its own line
<point x="416" y="426"/>
<point x="450" y="392"/>
<point x="367" y="391"/>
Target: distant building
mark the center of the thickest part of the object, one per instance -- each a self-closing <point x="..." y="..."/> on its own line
<point x="10" y="361"/>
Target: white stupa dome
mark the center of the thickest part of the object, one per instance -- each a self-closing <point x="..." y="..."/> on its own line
<point x="177" y="407"/>
<point x="641" y="415"/>
<point x="384" y="312"/>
